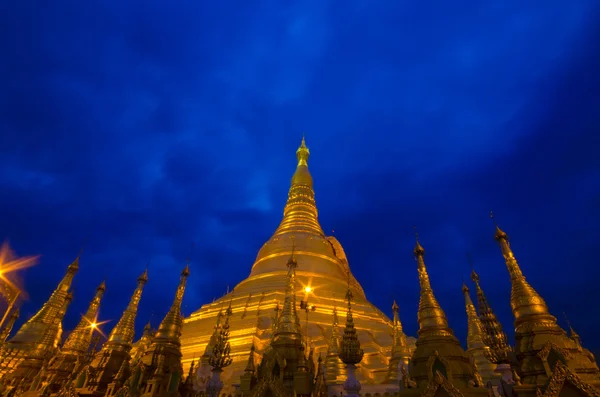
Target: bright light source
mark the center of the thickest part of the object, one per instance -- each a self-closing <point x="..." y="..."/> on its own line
<point x="308" y="290"/>
<point x="93" y="325"/>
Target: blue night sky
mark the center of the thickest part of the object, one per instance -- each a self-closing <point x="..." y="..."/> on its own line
<point x="149" y="125"/>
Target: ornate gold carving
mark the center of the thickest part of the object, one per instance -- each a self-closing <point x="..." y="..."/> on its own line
<point x="443" y="360"/>
<point x="440" y="381"/>
<point x="557" y="381"/>
<point x="543" y="354"/>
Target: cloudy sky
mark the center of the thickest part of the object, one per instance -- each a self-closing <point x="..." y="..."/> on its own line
<point x="149" y="125"/>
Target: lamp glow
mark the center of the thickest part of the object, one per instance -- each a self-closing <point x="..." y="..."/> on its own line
<point x="308" y="290"/>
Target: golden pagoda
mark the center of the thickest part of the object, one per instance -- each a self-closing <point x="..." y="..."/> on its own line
<point x="321" y="281"/>
<point x="439" y="364"/>
<point x="96" y="377"/>
<point x="550" y="362"/>
<point x="72" y="352"/>
<point x="476" y="347"/>
<point x="29" y="350"/>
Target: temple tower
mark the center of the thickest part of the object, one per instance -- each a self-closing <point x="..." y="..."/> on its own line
<point x="438" y="361"/>
<point x="321" y="280"/>
<point x="74" y="349"/>
<point x="115" y="351"/>
<point x="544" y="351"/>
<point x="24" y="355"/>
<point x="476" y="348"/>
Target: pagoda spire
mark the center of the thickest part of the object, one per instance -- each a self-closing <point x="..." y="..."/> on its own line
<point x="527" y="305"/>
<point x="35" y="327"/>
<point x="75" y="347"/>
<point x="400" y="350"/>
<point x="476" y="337"/>
<point x="170" y="327"/>
<point x="432" y="319"/>
<point x="288" y="323"/>
<point x="108" y="361"/>
<point x="300" y="213"/>
<point x="350" y="351"/>
<point x="334" y="367"/>
<point x="5" y="333"/>
<point x="493" y="336"/>
<point x="124" y="331"/>
<point x="475" y="331"/>
<point x="80" y="338"/>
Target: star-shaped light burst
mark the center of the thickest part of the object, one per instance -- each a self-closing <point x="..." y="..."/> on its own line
<point x="9" y="263"/>
<point x="94" y="325"/>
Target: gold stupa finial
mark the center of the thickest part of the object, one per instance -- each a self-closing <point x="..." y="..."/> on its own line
<point x="493" y="336"/>
<point x="170" y="326"/>
<point x="475" y="330"/>
<point x="300" y="212"/>
<point x="80" y="338"/>
<point x="399" y="344"/>
<point x="303" y="153"/>
<point x="431" y="317"/>
<point x="418" y="251"/>
<point x="41" y="331"/>
<point x="124" y="331"/>
<point x="350" y="351"/>
<point x="527" y="305"/>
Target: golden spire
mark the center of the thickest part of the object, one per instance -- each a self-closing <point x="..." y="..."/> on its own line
<point x="220" y="357"/>
<point x="526" y="303"/>
<point x="400" y="345"/>
<point x="288" y="324"/>
<point x="350" y="351"/>
<point x="300" y="213"/>
<point x="5" y="333"/>
<point x="79" y="340"/>
<point x="475" y="330"/>
<point x="170" y="327"/>
<point x="431" y="317"/>
<point x="42" y="322"/>
<point x="334" y="366"/>
<point x="124" y="331"/>
<point x="493" y="337"/>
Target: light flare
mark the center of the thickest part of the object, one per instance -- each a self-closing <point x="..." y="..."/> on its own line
<point x="94" y="325"/>
<point x="10" y="263"/>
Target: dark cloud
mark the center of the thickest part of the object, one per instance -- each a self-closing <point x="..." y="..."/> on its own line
<point x="150" y="126"/>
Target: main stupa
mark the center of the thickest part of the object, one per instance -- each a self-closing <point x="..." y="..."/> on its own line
<point x="322" y="277"/>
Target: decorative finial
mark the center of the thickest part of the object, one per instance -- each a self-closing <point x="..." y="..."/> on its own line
<point x="302" y="154"/>
<point x="499" y="232"/>
<point x="419" y="250"/>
